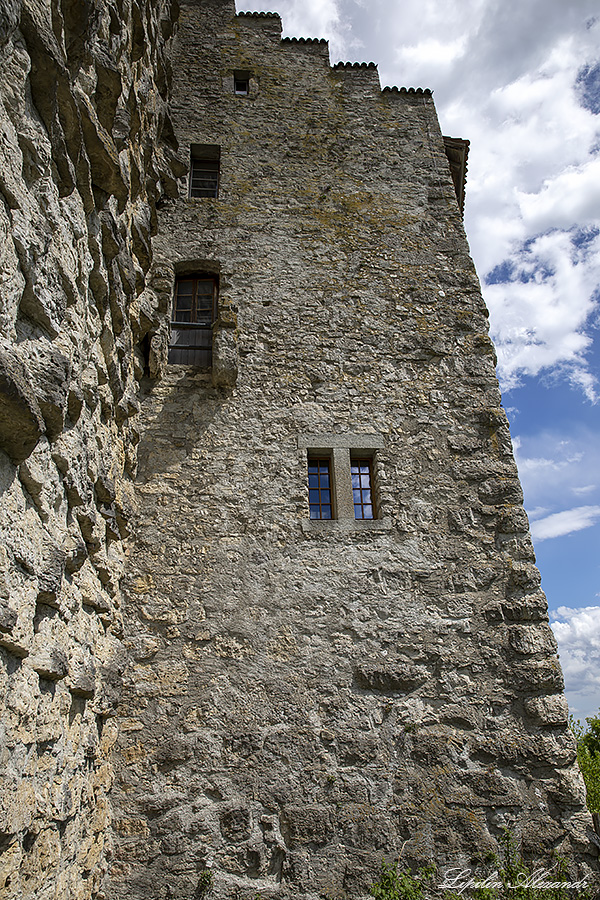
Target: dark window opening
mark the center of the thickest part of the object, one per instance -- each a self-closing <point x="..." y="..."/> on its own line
<point x="320" y="496"/>
<point x="241" y="83"/>
<point x="194" y="311"/>
<point x="362" y="488"/>
<point x="204" y="178"/>
<point x="204" y="170"/>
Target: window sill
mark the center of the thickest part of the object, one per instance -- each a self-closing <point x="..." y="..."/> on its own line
<point x="335" y="526"/>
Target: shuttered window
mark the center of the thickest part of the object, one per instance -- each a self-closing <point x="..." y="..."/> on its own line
<point x="194" y="311"/>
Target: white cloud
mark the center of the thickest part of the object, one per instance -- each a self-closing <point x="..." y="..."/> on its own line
<point x="584" y="489"/>
<point x="577" y="632"/>
<point x="555" y="468"/>
<point x="570" y="198"/>
<point x="543" y="307"/>
<point x="309" y="19"/>
<point x="431" y="53"/>
<point x="565" y="522"/>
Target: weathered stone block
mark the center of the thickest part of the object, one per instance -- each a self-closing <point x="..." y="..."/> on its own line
<point x="236" y="824"/>
<point x="530" y="639"/>
<point x="50" y="663"/>
<point x="310" y="824"/>
<point x="390" y="677"/>
<point x="21" y="421"/>
<point x="551" y="710"/>
<point x="8" y="618"/>
<point x="225" y="357"/>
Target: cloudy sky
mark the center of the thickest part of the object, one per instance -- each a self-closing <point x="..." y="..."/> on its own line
<point x="521" y="80"/>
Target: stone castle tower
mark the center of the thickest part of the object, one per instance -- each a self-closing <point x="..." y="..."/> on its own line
<point x="268" y="601"/>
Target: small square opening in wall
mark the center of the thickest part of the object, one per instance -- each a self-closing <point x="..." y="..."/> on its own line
<point x="241" y="84"/>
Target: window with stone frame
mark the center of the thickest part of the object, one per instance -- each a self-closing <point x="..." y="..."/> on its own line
<point x="194" y="312"/>
<point x="204" y="170"/>
<point x="241" y="83"/>
<point x="341" y="478"/>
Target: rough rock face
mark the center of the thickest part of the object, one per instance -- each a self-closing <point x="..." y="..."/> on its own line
<point x="85" y="152"/>
<point x="304" y="697"/>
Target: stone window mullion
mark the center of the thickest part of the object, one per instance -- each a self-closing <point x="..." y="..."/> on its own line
<point x="343" y="483"/>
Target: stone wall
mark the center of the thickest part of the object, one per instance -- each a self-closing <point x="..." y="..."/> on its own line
<point x="86" y="151"/>
<point x="304" y="698"/>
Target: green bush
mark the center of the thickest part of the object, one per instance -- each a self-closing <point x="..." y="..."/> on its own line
<point x="588" y="757"/>
<point x="400" y="885"/>
<point x="510" y="878"/>
<point x="514" y="879"/>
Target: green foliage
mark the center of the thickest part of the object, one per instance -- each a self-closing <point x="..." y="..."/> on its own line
<point x="205" y="884"/>
<point x="510" y="879"/>
<point x="514" y="879"/>
<point x="588" y="757"/>
<point x="396" y="884"/>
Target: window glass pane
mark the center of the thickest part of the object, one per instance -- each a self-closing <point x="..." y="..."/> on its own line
<point x="358" y="511"/>
<point x="366" y="496"/>
<point x="365" y="480"/>
<point x="356" y="495"/>
<point x="319" y="495"/>
<point x="355" y="479"/>
<point x="367" y="512"/>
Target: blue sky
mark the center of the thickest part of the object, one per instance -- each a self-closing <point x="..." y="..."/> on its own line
<point x="521" y="81"/>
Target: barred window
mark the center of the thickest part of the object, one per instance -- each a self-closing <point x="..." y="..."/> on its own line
<point x="204" y="178"/>
<point x="319" y="489"/>
<point x="204" y="170"/>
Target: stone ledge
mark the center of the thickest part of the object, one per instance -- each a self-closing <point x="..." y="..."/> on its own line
<point x="337" y="526"/>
